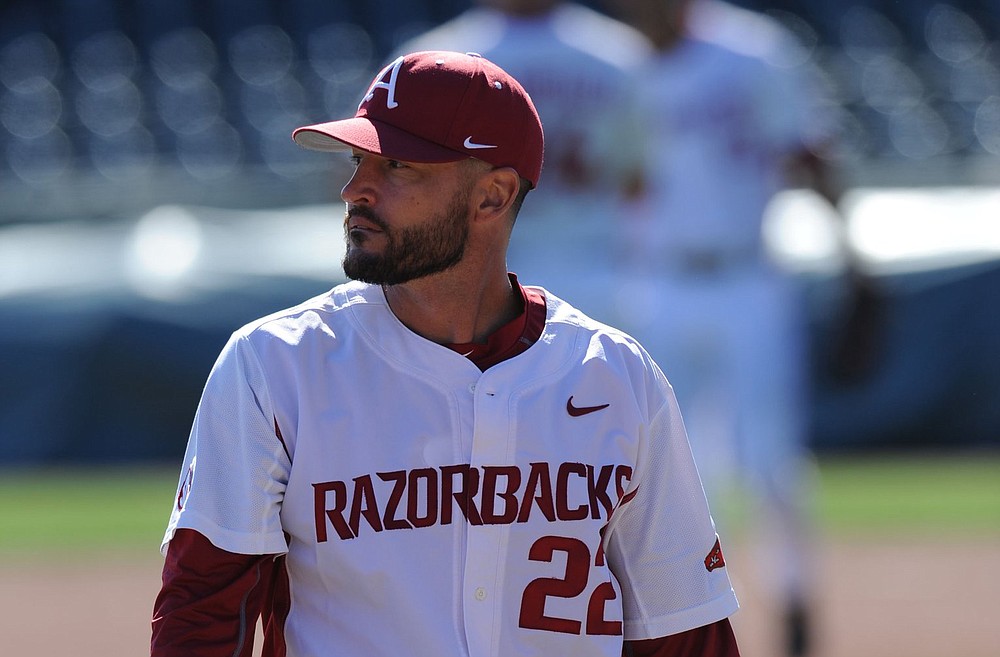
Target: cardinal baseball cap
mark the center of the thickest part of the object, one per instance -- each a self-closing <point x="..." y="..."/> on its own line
<point x="439" y="106"/>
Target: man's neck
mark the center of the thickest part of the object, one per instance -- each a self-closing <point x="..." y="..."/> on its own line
<point x="448" y="309"/>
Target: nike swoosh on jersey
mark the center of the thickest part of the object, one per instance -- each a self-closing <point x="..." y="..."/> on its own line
<point x="468" y="143"/>
<point x="577" y="411"/>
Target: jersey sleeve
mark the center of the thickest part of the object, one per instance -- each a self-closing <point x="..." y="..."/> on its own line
<point x="235" y="466"/>
<point x="662" y="544"/>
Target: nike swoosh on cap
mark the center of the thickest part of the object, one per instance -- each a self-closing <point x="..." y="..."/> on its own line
<point x="577" y="411"/>
<point x="468" y="143"/>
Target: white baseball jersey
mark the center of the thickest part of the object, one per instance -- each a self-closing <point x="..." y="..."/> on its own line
<point x="547" y="506"/>
<point x="578" y="67"/>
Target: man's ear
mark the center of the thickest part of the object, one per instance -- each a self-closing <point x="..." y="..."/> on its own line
<point x="499" y="190"/>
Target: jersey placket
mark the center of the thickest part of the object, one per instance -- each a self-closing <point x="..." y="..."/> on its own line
<point x="482" y="591"/>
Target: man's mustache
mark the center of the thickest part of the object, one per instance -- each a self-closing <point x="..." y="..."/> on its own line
<point x="365" y="213"/>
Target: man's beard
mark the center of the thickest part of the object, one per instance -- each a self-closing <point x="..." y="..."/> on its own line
<point x="412" y="252"/>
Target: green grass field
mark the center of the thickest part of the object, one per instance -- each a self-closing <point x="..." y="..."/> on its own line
<point x="79" y="510"/>
<point x="926" y="495"/>
<point x="82" y="509"/>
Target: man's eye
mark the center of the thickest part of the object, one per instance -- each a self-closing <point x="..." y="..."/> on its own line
<point x="355" y="161"/>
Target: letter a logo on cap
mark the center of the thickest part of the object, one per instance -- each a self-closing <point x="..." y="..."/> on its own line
<point x="390" y="86"/>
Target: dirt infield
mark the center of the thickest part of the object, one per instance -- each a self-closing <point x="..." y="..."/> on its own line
<point x="891" y="598"/>
<point x="919" y="599"/>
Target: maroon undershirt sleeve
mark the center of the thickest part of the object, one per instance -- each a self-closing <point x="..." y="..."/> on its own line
<point x="210" y="599"/>
<point x="715" y="640"/>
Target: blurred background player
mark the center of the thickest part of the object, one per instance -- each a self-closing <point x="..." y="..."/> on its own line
<point x="728" y="127"/>
<point x="577" y="64"/>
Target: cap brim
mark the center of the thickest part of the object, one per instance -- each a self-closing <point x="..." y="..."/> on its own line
<point x="375" y="137"/>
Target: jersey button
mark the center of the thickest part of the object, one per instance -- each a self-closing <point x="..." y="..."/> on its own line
<point x="480" y="594"/>
<point x="472" y="388"/>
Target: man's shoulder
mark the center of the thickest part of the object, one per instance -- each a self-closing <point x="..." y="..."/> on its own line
<point x="590" y="342"/>
<point x="562" y="314"/>
<point x="324" y="309"/>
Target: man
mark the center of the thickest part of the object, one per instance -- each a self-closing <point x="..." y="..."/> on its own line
<point x="579" y="67"/>
<point x="435" y="459"/>
<point x="730" y="125"/>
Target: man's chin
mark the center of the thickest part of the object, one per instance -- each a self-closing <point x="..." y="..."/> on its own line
<point x="367" y="270"/>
